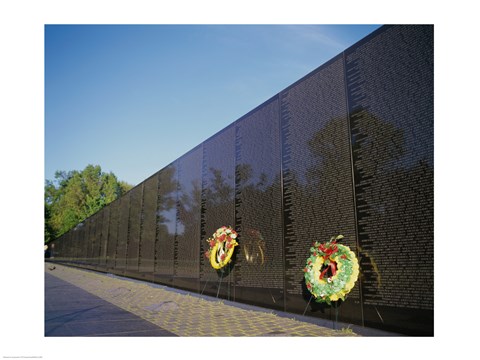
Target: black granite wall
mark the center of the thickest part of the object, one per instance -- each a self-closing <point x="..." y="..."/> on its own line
<point x="348" y="149"/>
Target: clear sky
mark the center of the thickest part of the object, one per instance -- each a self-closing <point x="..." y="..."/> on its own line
<point x="133" y="98"/>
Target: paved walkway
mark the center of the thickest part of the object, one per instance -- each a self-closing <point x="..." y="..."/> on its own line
<point x="71" y="311"/>
<point x="85" y="303"/>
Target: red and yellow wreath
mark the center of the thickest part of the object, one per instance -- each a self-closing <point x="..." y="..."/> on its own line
<point x="222" y="244"/>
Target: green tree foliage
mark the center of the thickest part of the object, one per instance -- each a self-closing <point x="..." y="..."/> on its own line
<point x="48" y="228"/>
<point x="75" y="195"/>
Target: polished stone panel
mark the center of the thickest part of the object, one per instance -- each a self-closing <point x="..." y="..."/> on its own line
<point x="259" y="271"/>
<point x="166" y="224"/>
<point x="149" y="228"/>
<point x="98" y="239"/>
<point x="122" y="237"/>
<point x="390" y="89"/>
<point x="134" y="229"/>
<point x="187" y="235"/>
<point x="317" y="180"/>
<point x="218" y="191"/>
<point x="112" y="234"/>
<point x="104" y="237"/>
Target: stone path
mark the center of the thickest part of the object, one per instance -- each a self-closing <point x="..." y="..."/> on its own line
<point x="173" y="313"/>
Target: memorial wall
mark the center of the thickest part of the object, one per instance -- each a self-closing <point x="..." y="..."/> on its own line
<point x="348" y="149"/>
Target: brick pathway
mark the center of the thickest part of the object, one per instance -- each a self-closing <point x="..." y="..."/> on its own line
<point x="185" y="315"/>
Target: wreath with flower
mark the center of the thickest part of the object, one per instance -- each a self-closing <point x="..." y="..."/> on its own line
<point x="331" y="270"/>
<point x="222" y="244"/>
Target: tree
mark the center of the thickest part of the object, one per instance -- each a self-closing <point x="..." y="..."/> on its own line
<point x="48" y="228"/>
<point x="75" y="195"/>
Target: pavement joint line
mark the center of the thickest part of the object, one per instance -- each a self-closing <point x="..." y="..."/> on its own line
<point x="183" y="314"/>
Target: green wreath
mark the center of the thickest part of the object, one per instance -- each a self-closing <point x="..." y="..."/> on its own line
<point x="331" y="270"/>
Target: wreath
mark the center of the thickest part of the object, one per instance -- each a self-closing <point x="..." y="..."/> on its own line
<point x="222" y="244"/>
<point x="331" y="270"/>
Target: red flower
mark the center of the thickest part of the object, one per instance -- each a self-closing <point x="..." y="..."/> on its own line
<point x="343" y="256"/>
<point x="222" y="257"/>
<point x="328" y="250"/>
<point x="212" y="243"/>
<point x="309" y="285"/>
<point x="305" y="269"/>
<point x="221" y="238"/>
<point x="207" y="254"/>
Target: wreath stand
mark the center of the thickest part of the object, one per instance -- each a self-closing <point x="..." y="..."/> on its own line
<point x="220" y="282"/>
<point x="335" y="322"/>
<point x="204" y="286"/>
<point x="336" y="316"/>
<point x="222" y="271"/>
<point x="306" y="307"/>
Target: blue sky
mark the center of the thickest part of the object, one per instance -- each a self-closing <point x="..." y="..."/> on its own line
<point x="133" y="98"/>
